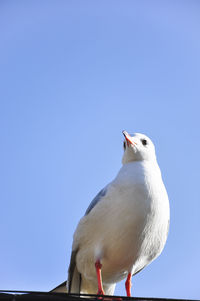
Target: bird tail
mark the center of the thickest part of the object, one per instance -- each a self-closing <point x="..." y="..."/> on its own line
<point x="61" y="288"/>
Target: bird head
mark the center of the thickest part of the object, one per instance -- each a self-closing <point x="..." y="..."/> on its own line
<point x="137" y="148"/>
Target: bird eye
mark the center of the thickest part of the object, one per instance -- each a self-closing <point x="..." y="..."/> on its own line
<point x="124" y="145"/>
<point x="144" y="141"/>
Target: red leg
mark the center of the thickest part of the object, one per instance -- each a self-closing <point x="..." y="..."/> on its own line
<point x="98" y="267"/>
<point x="128" y="285"/>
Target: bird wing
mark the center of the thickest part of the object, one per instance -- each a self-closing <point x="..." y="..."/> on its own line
<point x="97" y="199"/>
<point x="74" y="277"/>
<point x="73" y="284"/>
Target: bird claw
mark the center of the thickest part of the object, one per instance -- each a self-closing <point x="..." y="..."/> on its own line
<point x="100" y="292"/>
<point x="111" y="298"/>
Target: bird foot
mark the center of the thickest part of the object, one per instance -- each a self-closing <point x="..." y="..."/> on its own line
<point x="100" y="292"/>
<point x="107" y="298"/>
<point x="111" y="298"/>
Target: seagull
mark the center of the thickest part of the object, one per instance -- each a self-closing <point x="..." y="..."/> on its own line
<point x="126" y="225"/>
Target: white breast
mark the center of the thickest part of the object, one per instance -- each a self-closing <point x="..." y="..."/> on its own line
<point x="128" y="228"/>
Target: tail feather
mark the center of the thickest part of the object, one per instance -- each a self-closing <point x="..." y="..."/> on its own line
<point x="61" y="288"/>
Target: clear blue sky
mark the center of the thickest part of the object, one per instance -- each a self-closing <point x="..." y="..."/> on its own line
<point x="73" y="75"/>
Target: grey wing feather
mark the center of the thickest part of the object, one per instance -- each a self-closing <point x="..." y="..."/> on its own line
<point x="97" y="198"/>
<point x="74" y="277"/>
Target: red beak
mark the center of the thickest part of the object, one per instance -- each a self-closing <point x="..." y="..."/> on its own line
<point x="128" y="138"/>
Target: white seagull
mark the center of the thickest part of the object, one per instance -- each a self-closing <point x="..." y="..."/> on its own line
<point x="125" y="227"/>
